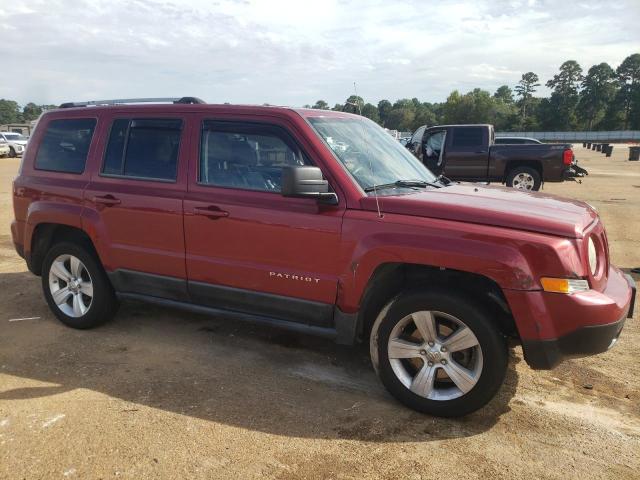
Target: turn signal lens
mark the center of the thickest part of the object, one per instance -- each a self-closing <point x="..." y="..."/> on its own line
<point x="564" y="285"/>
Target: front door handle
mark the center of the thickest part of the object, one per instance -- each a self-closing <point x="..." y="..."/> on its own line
<point x="211" y="212"/>
<point x="106" y="200"/>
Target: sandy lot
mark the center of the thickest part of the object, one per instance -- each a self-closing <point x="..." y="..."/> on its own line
<point x="164" y="394"/>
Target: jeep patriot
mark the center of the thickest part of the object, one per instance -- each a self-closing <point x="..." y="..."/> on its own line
<point x="318" y="222"/>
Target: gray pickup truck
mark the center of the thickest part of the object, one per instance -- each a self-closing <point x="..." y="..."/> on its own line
<point x="470" y="153"/>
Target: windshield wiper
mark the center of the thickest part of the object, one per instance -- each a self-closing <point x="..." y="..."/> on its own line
<point x="402" y="183"/>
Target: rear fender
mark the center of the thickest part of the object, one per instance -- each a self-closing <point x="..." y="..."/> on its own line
<point x="43" y="211"/>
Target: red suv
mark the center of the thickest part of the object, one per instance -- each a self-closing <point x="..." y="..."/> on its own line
<point x="319" y="222"/>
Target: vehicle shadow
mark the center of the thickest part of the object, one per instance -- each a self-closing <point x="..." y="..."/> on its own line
<point x="235" y="374"/>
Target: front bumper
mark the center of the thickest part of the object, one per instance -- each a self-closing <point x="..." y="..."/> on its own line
<point x="554" y="326"/>
<point x="585" y="341"/>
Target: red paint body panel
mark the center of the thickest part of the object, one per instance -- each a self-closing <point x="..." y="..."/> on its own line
<point x="511" y="237"/>
<point x="533" y="310"/>
<point x="511" y="258"/>
<point x="493" y="205"/>
<point x="144" y="232"/>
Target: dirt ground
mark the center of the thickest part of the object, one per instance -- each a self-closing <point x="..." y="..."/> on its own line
<point x="165" y="394"/>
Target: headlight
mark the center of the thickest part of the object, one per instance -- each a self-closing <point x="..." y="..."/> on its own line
<point x="593" y="256"/>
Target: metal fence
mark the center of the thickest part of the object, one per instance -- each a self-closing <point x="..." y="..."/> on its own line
<point x="612" y="136"/>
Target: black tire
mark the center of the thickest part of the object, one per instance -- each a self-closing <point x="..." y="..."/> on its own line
<point x="493" y="346"/>
<point x="104" y="302"/>
<point x="532" y="172"/>
<point x="12" y="153"/>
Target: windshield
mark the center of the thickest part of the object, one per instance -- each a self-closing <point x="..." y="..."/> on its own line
<point x="14" y="136"/>
<point x="369" y="153"/>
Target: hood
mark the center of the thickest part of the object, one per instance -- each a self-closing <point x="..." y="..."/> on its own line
<point x="497" y="206"/>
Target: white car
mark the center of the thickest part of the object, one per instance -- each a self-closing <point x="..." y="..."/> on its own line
<point x="17" y="142"/>
<point x="4" y="148"/>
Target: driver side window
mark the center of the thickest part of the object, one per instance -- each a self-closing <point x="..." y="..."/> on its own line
<point x="249" y="157"/>
<point x="432" y="150"/>
<point x="433" y="144"/>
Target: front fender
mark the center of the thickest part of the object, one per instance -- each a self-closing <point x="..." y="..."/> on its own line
<point x="511" y="258"/>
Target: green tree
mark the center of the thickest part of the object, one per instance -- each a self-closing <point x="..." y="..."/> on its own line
<point x="504" y="94"/>
<point x="9" y="111"/>
<point x="564" y="98"/>
<point x="598" y="90"/>
<point x="371" y="112"/>
<point x="353" y="104"/>
<point x="425" y="115"/>
<point x="525" y="89"/>
<point x="31" y="111"/>
<point x="338" y="107"/>
<point x="402" y="115"/>
<point x="321" y="105"/>
<point x="384" y="108"/>
<point x="629" y="95"/>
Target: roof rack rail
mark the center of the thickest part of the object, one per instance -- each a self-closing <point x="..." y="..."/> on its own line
<point x="124" y="101"/>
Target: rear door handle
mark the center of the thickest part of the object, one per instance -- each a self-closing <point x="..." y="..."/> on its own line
<point x="106" y="200"/>
<point x="211" y="211"/>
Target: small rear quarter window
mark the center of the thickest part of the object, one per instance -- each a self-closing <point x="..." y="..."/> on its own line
<point x="65" y="145"/>
<point x="467" y="136"/>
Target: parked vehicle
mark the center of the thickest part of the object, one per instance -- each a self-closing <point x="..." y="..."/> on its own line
<point x="4" y="148"/>
<point x="17" y="142"/>
<point x="470" y="153"/>
<point x="516" y="141"/>
<point x="318" y="222"/>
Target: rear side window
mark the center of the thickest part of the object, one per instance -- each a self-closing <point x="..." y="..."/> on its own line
<point x="143" y="148"/>
<point x="65" y="145"/>
<point x="467" y="137"/>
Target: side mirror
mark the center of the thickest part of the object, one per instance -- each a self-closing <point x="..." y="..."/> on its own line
<point x="306" y="182"/>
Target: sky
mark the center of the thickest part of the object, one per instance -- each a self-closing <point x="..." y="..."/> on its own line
<point x="288" y="52"/>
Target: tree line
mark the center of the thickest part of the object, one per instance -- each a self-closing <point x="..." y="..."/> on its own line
<point x="12" y="112"/>
<point x="601" y="99"/>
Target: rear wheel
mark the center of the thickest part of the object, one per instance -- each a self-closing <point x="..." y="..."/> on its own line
<point x="438" y="353"/>
<point x="76" y="287"/>
<point x="524" y="178"/>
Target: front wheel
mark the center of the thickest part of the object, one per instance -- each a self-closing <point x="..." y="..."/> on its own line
<point x="524" y="178"/>
<point x="12" y="152"/>
<point x="438" y="353"/>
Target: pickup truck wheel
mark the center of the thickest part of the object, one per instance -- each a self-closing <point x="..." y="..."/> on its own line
<point x="438" y="353"/>
<point x="76" y="288"/>
<point x="524" y="178"/>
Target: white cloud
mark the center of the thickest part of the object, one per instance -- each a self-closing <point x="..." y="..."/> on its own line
<point x="293" y="52"/>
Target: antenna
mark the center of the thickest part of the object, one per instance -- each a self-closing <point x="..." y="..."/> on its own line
<point x="375" y="191"/>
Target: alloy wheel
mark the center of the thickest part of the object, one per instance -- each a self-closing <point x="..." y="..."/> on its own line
<point x="523" y="181"/>
<point x="70" y="285"/>
<point x="435" y="355"/>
